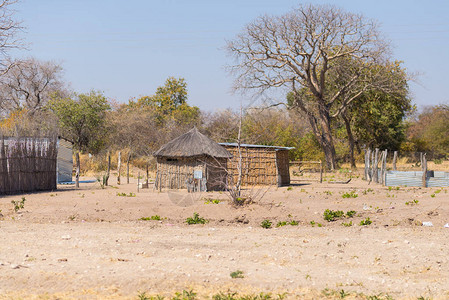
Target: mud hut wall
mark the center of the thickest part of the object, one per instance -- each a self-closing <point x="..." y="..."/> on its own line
<point x="283" y="165"/>
<point x="173" y="173"/>
<point x="258" y="165"/>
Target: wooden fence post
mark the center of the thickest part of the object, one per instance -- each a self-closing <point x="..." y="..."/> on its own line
<point x="119" y="164"/>
<point x="109" y="169"/>
<point x="366" y="164"/>
<point x="424" y="170"/>
<point x="421" y="158"/>
<point x="384" y="166"/>
<point x="321" y="171"/>
<point x="395" y="157"/>
<point x="77" y="172"/>
<point x="376" y="166"/>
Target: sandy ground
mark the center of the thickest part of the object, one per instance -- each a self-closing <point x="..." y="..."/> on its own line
<point x="90" y="243"/>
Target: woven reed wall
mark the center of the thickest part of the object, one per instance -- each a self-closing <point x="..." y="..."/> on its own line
<point x="173" y="173"/>
<point x="27" y="165"/>
<point x="260" y="166"/>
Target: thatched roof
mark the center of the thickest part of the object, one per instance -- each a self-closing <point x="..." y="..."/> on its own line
<point x="192" y="143"/>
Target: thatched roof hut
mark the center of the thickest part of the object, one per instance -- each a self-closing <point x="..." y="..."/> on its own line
<point x="193" y="143"/>
<point x="191" y="159"/>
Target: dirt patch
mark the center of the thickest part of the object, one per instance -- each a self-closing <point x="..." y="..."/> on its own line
<point x="92" y="243"/>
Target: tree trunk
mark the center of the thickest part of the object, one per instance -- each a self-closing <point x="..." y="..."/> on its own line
<point x="119" y="165"/>
<point x="77" y="172"/>
<point x="320" y="123"/>
<point x="323" y="134"/>
<point x="350" y="141"/>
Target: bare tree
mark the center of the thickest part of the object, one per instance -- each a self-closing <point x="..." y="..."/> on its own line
<point x="318" y="52"/>
<point x="29" y="84"/>
<point x="9" y="28"/>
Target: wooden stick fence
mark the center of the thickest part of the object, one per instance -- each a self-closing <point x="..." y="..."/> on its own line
<point x="301" y="163"/>
<point x="375" y="157"/>
<point x="27" y="164"/>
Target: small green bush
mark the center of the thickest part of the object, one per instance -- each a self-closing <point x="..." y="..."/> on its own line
<point x="331" y="215"/>
<point x="365" y="222"/>
<point x="347" y="224"/>
<point x="211" y="201"/>
<point x="281" y="223"/>
<point x="266" y="224"/>
<point x="237" y="274"/>
<point x="19" y="204"/>
<point x="350" y="194"/>
<point x="196" y="219"/>
<point x="350" y="213"/>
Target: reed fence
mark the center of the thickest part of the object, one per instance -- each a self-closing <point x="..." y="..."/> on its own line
<point x="27" y="164"/>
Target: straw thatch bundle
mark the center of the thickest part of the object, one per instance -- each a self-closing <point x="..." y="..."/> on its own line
<point x="190" y="144"/>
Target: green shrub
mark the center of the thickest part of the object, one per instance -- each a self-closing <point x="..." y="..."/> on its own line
<point x="350" y="213"/>
<point x="330" y="215"/>
<point x="365" y="222"/>
<point x="350" y="194"/>
<point x="347" y="224"/>
<point x="237" y="274"/>
<point x="211" y="201"/>
<point x="19" y="204"/>
<point x="281" y="223"/>
<point x="196" y="219"/>
<point x="266" y="224"/>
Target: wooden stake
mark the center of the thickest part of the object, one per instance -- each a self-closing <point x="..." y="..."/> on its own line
<point x="119" y="164"/>
<point x="424" y="170"/>
<point x="109" y="169"/>
<point x="395" y="157"/>
<point x="321" y="171"/>
<point x="127" y="167"/>
<point x="376" y="166"/>
<point x="77" y="173"/>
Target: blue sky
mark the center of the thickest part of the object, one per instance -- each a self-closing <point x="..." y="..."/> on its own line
<point x="128" y="48"/>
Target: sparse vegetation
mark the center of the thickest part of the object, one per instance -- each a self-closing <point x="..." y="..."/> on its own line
<point x="237" y="274"/>
<point x="266" y="224"/>
<point x="126" y="195"/>
<point x="331" y="215"/>
<point x="351" y="194"/>
<point x="411" y="203"/>
<point x="365" y="222"/>
<point x="211" y="201"/>
<point x="18" y="204"/>
<point x="313" y="223"/>
<point x="369" y="190"/>
<point x="152" y="218"/>
<point x="196" y="219"/>
<point x="349" y="224"/>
